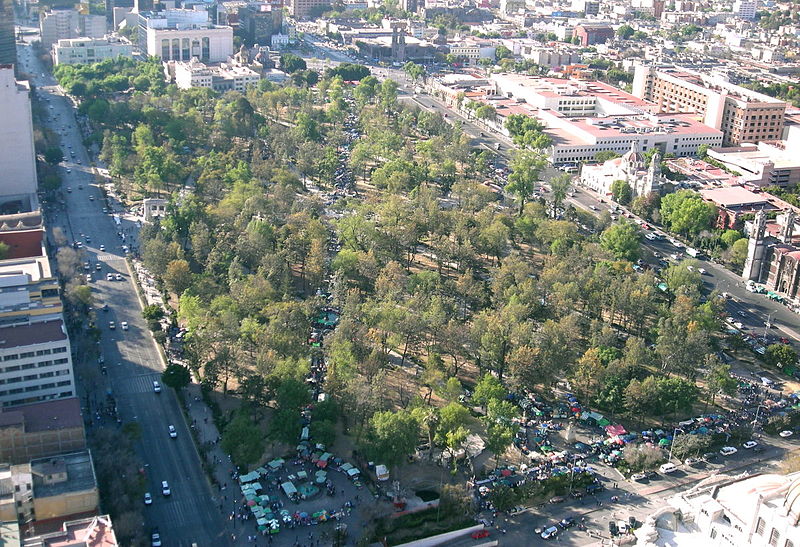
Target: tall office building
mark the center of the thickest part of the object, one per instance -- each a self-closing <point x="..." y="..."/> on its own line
<point x="8" y="47"/>
<point x="17" y="155"/>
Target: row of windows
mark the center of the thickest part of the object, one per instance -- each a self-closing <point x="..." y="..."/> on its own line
<point x="35" y="398"/>
<point x="774" y="536"/>
<point x="40" y="364"/>
<point x="25" y="355"/>
<point x="37" y="387"/>
<point x="29" y="377"/>
<point x="184" y="49"/>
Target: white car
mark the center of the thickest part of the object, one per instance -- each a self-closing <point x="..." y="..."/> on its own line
<point x="785" y="433"/>
<point x="112" y="325"/>
<point x="702" y="271"/>
<point x="148" y="499"/>
<point x="728" y="451"/>
<point x="109" y="277"/>
<point x="750" y="444"/>
<point x="88" y="278"/>
<point x="102" y="247"/>
<point x="124" y="325"/>
<point x="118" y="277"/>
<point x="165" y="488"/>
<point x="156" y="386"/>
<point x="172" y="432"/>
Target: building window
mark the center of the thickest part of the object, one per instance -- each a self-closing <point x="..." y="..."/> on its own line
<point x="788" y="543"/>
<point x="774" y="536"/>
<point x="760" y="526"/>
<point x="165" y="49"/>
<point x="206" y="52"/>
<point x="176" y="49"/>
<point x="185" y="49"/>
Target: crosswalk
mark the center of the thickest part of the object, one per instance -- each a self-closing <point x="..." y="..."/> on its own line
<point x="134" y="385"/>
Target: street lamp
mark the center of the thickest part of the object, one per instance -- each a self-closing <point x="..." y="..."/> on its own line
<point x="674" y="436"/>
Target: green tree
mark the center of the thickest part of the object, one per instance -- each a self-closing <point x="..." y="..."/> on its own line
<point x="525" y="170"/>
<point x="243" y="441"/>
<point x="394" y="436"/>
<point x="719" y="379"/>
<point x="605" y="155"/>
<point x="323" y="432"/>
<point x="781" y="356"/>
<point x="53" y="155"/>
<point x="621" y="191"/>
<point x="488" y="389"/>
<point x="178" y="277"/>
<point x="738" y="253"/>
<point x="176" y="376"/>
<point x="621" y="240"/>
<point x="414" y="71"/>
<point x="290" y="63"/>
<point x="686" y="212"/>
<point x="153" y="312"/>
<point x="685" y="445"/>
<point x="625" y="31"/>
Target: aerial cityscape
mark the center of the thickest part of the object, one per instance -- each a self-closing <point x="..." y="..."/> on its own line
<point x="415" y="273"/>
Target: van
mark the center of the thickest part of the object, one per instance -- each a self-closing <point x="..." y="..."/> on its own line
<point x="668" y="467"/>
<point x="766" y="381"/>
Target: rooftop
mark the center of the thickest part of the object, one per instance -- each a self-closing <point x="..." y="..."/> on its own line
<point x="89" y="532"/>
<point x="734" y="196"/>
<point x="35" y="333"/>
<point x="76" y="466"/>
<point x="34" y="268"/>
<point x="48" y="415"/>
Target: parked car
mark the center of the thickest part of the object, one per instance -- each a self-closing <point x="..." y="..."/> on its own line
<point x="727" y="451"/>
<point x="549" y="533"/>
<point x="668" y="467"/>
<point x="785" y="433"/>
<point x="557" y="499"/>
<point x="567" y="522"/>
<point x="638" y="476"/>
<point x="750" y="444"/>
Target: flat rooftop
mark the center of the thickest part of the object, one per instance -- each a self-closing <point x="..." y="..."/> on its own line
<point x="734" y="196"/>
<point x="95" y="531"/>
<point x="558" y="87"/>
<point x="45" y="416"/>
<point x="35" y="333"/>
<point x="79" y="474"/>
<point x="35" y="268"/>
<point x="626" y="126"/>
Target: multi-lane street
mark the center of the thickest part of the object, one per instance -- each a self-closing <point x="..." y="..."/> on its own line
<point x="190" y="514"/>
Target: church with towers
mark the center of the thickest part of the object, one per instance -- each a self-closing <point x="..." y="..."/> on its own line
<point x="773" y="257"/>
<point x="631" y="167"/>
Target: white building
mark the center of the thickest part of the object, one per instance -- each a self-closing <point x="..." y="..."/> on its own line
<point x="471" y="49"/>
<point x="180" y="34"/>
<point x="36" y="363"/>
<point x="745" y="9"/>
<point x="17" y="154"/>
<point x="84" y="51"/>
<point x="222" y="78"/>
<point x="59" y="24"/>
<point x="631" y="168"/>
<point x="761" y="510"/>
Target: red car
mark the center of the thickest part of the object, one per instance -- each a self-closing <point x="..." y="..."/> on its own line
<point x="480" y="534"/>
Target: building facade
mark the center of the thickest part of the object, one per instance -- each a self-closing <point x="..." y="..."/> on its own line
<point x="84" y="51"/>
<point x="180" y="35"/>
<point x="300" y="9"/>
<point x="219" y="78"/>
<point x="40" y="430"/>
<point x="8" y="43"/>
<point x="631" y="167"/>
<point x="60" y="24"/>
<point x="742" y="115"/>
<point x="17" y="154"/>
<point x="593" y="33"/>
<point x="64" y="486"/>
<point x="259" y="23"/>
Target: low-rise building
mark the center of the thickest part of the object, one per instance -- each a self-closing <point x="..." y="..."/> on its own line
<point x="471" y="50"/>
<point x="74" y="533"/>
<point x="64" y="486"/>
<point x="593" y="33"/>
<point x="85" y="51"/>
<point x="223" y="77"/>
<point x="41" y="429"/>
<point x="762" y="164"/>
